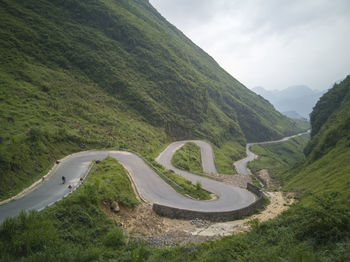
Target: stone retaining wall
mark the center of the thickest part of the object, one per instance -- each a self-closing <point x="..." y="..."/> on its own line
<point x="173" y="212"/>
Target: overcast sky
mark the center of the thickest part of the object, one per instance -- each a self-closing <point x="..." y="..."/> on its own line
<point x="269" y="43"/>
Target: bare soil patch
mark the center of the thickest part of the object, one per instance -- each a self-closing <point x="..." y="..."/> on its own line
<point x="142" y="223"/>
<point x="271" y="184"/>
<point x="279" y="203"/>
<point x="233" y="180"/>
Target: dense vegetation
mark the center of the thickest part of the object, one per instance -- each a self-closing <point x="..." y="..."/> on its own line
<point x="326" y="167"/>
<point x="188" y="157"/>
<point x="78" y="75"/>
<point x="112" y="183"/>
<point x="226" y="155"/>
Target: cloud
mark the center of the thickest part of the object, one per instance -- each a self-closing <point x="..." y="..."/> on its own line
<point x="269" y="43"/>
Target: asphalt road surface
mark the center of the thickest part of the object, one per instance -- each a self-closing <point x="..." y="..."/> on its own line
<point x="229" y="197"/>
<point x="241" y="165"/>
<point x="148" y="183"/>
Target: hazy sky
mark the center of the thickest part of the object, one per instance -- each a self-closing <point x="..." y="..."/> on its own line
<point x="269" y="43"/>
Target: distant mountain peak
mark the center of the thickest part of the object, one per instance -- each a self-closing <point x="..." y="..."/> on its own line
<point x="299" y="99"/>
<point x="293" y="114"/>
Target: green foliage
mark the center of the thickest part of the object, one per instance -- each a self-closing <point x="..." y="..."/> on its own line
<point x="188" y="157"/>
<point x="329" y="103"/>
<point x="27" y="234"/>
<point x="330" y="120"/>
<point x="226" y="155"/>
<point x="302" y="124"/>
<point x="198" y="185"/>
<point x="114" y="238"/>
<point x="325" y="222"/>
<point x="325" y="168"/>
<point x="280" y="157"/>
<point x="77" y="229"/>
<point x="330" y="173"/>
<point x="112" y="183"/>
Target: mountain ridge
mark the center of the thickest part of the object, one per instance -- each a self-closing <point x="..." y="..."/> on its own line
<point x="298" y="98"/>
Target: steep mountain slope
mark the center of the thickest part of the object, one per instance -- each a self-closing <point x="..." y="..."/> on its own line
<point x="327" y="168"/>
<point x="89" y="74"/>
<point x="300" y="99"/>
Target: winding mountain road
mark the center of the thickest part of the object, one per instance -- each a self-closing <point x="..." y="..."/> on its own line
<point x="241" y="165"/>
<point x="148" y="183"/>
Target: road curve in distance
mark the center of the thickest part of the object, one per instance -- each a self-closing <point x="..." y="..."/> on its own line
<point x="241" y="165"/>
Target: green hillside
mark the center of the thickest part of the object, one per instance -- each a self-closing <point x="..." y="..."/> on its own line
<point x="76" y="75"/>
<point x="326" y="168"/>
<point x="279" y="158"/>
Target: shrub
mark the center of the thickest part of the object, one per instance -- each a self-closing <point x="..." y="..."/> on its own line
<point x="325" y="221"/>
<point x="28" y="233"/>
<point x="114" y="238"/>
<point x="198" y="185"/>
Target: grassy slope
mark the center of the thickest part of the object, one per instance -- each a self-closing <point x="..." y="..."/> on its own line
<point x="76" y="75"/>
<point x="226" y="155"/>
<point x="73" y="115"/>
<point x="188" y="157"/>
<point x="112" y="183"/>
<point x="326" y="167"/>
<point x="329" y="174"/>
<point x="279" y="158"/>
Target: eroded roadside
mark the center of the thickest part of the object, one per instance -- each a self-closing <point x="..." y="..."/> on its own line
<point x="142" y="223"/>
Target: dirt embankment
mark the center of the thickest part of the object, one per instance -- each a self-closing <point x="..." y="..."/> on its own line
<point x="141" y="222"/>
